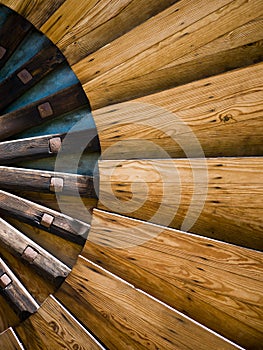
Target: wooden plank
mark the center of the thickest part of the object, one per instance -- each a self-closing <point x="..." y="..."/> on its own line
<point x="46" y="181"/>
<point x="120" y="315"/>
<point x="219" y="198"/>
<point x="9" y="340"/>
<point x="15" y="292"/>
<point x="35" y="12"/>
<point x="8" y="317"/>
<point x="40" y="111"/>
<point x="182" y="29"/>
<point x="196" y="273"/>
<point x="30" y="252"/>
<point x="189" y="121"/>
<point x="45" y="218"/>
<point x="19" y="28"/>
<point x="96" y="23"/>
<point x="54" y="327"/>
<point x="46" y="146"/>
<point x="44" y="62"/>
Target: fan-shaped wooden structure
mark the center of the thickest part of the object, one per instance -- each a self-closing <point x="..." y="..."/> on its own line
<point x="131" y="174"/>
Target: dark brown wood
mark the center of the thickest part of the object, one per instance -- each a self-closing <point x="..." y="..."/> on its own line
<point x="34" y="214"/>
<point x="46" y="146"/>
<point x="12" y="33"/>
<point x="46" y="181"/>
<point x="29" y="74"/>
<point x="23" y="247"/>
<point x="9" y="340"/>
<point x="34" y="114"/>
<point x="15" y="293"/>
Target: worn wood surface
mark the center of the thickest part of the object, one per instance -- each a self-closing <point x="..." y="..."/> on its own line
<point x="189" y="121"/>
<point x="219" y="198"/>
<point x="27" y="250"/>
<point x="46" y="181"/>
<point x="9" y="340"/>
<point x="8" y="317"/>
<point x="54" y="327"/>
<point x="44" y="62"/>
<point x="24" y="118"/>
<point x="119" y="314"/>
<point x="44" y="218"/>
<point x="19" y="28"/>
<point x="196" y="273"/>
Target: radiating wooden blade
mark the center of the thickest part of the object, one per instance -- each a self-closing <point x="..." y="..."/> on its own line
<point x="29" y="74"/>
<point x="15" y="292"/>
<point x="47" y="146"/>
<point x="219" y="198"/>
<point x="196" y="273"/>
<point x="46" y="181"/>
<point x="38" y="112"/>
<point x="10" y="341"/>
<point x="47" y="219"/>
<point x="23" y="247"/>
<point x="19" y="27"/>
<point x="45" y="326"/>
<point x="118" y="314"/>
<point x="194" y="120"/>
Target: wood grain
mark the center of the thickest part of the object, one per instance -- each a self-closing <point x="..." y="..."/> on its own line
<point x="54" y="327"/>
<point x="9" y="340"/>
<point x="189" y="121"/>
<point x="196" y="273"/>
<point x="8" y="317"/>
<point x="219" y="198"/>
<point x="120" y="315"/>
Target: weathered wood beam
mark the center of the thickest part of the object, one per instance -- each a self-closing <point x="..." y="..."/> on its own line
<point x="42" y="217"/>
<point x="38" y="112"/>
<point x="46" y="181"/>
<point x="15" y="293"/>
<point x="47" y="146"/>
<point x="26" y="76"/>
<point x="26" y="249"/>
<point x="12" y="33"/>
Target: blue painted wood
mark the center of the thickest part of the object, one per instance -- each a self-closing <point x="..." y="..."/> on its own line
<point x="4" y="12"/>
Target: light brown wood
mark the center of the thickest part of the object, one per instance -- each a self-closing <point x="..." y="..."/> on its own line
<point x="219" y="198"/>
<point x="189" y="121"/>
<point x="196" y="273"/>
<point x="119" y="314"/>
<point x="9" y="340"/>
<point x="53" y="327"/>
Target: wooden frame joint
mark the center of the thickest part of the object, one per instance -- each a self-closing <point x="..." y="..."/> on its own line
<point x="2" y="52"/>
<point x="45" y="110"/>
<point x="56" y="184"/>
<point x="29" y="254"/>
<point x="5" y="281"/>
<point x="24" y="76"/>
<point x="55" y="145"/>
<point x="47" y="220"/>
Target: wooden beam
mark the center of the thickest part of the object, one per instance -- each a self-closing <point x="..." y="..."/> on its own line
<point x="26" y="76"/>
<point x="47" y="219"/>
<point x="196" y="273"/>
<point x="23" y="247"/>
<point x="9" y="340"/>
<point x="220" y="198"/>
<point x="53" y="325"/>
<point x="40" y="111"/>
<point x="46" y="181"/>
<point x="15" y="293"/>
<point x="47" y="146"/>
<point x="19" y="27"/>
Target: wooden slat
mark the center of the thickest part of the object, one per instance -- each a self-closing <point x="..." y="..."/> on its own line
<point x="23" y="247"/>
<point x="9" y="340"/>
<point x="219" y="198"/>
<point x="189" y="121"/>
<point x="94" y="24"/>
<point x="46" y="146"/>
<point x="45" y="218"/>
<point x="217" y="284"/>
<point x="19" y="27"/>
<point x="120" y="315"/>
<point x="35" y="12"/>
<point x="31" y="115"/>
<point x="44" y="62"/>
<point x="54" y="327"/>
<point x="8" y="317"/>
<point x="15" y="292"/>
<point x="181" y="30"/>
<point x="46" y="181"/>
